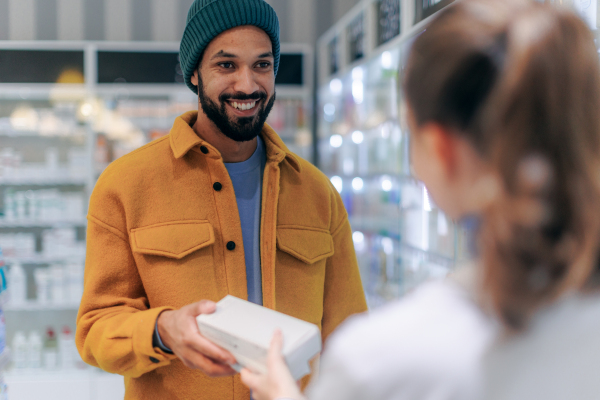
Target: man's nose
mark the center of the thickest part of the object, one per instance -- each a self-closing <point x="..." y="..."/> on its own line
<point x="245" y="81"/>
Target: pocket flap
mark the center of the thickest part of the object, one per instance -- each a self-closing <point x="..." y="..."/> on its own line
<point x="174" y="239"/>
<point x="307" y="244"/>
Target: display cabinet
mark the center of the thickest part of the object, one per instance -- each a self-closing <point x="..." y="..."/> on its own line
<point x="401" y="237"/>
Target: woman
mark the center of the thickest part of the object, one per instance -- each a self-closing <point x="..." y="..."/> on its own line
<point x="502" y="97"/>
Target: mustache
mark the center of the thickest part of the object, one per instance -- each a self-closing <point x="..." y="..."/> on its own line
<point x="258" y="95"/>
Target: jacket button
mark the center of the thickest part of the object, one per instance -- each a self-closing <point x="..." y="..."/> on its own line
<point x="154" y="360"/>
<point x="204" y="149"/>
<point x="231" y="246"/>
<point x="217" y="186"/>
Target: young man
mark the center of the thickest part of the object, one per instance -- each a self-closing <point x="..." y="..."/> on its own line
<point x="219" y="206"/>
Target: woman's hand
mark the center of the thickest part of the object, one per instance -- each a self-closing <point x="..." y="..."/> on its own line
<point x="278" y="383"/>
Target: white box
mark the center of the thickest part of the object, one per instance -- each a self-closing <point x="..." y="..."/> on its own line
<point x="245" y="330"/>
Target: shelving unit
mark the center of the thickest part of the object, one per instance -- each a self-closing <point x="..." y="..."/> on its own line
<point x="35" y="306"/>
<point x="59" y="137"/>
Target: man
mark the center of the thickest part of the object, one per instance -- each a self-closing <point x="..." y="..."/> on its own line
<point x="219" y="206"/>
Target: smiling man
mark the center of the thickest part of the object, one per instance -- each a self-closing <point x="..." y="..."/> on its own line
<point x="219" y="206"/>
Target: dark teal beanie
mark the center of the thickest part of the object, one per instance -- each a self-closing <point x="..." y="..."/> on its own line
<point x="208" y="18"/>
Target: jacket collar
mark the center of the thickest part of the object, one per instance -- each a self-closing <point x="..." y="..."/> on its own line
<point x="183" y="139"/>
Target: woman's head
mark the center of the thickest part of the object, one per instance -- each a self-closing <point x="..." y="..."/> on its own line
<point x="507" y="92"/>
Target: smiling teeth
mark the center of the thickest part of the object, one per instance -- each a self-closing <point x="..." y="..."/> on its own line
<point x="244" y="106"/>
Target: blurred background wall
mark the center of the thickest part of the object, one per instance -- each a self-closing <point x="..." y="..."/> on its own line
<point x="302" y="21"/>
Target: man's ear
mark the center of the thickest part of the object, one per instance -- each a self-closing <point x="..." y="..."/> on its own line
<point x="194" y="78"/>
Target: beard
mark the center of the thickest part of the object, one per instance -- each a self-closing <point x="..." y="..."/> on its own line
<point x="240" y="129"/>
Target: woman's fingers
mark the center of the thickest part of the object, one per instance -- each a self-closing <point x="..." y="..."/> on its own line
<point x="249" y="378"/>
<point x="274" y="357"/>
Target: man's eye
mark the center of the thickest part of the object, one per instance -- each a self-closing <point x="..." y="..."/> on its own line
<point x="264" y="64"/>
<point x="226" y="65"/>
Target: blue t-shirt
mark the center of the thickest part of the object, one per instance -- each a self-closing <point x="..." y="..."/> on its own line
<point x="247" y="179"/>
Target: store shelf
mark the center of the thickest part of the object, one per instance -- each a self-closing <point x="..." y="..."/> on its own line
<point x="57" y="181"/>
<point x="41" y="260"/>
<point x="87" y="384"/>
<point x="41" y="224"/>
<point x="35" y="306"/>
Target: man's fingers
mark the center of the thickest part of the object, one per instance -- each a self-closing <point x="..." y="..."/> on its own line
<point x="201" y="307"/>
<point x="203" y="346"/>
<point x="208" y="366"/>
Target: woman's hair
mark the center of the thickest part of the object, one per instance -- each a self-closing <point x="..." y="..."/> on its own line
<point x="520" y="81"/>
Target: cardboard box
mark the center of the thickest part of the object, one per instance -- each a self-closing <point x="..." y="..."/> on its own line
<point x="245" y="329"/>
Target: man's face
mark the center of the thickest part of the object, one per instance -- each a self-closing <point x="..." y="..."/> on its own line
<point x="236" y="81"/>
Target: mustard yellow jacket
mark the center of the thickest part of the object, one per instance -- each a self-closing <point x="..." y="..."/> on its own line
<point x="156" y="240"/>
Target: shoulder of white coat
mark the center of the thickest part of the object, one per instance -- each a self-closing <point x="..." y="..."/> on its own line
<point x="419" y="332"/>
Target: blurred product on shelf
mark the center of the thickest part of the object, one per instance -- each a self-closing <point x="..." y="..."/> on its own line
<point x="35" y="350"/>
<point x="13" y="169"/>
<point x="289" y="119"/>
<point x="18" y="244"/>
<point x="17" y="285"/>
<point x="31" y="352"/>
<point x="56" y="285"/>
<point x="50" y="351"/>
<point x="58" y="243"/>
<point x="43" y="205"/>
<point x="69" y="356"/>
<point x="42" y="285"/>
<point x="62" y="243"/>
<point x="20" y="349"/>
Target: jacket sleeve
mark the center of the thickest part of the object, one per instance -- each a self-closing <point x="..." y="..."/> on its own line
<point x="115" y="324"/>
<point x="344" y="293"/>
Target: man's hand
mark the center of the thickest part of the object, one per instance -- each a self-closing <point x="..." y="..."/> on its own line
<point x="178" y="331"/>
<point x="278" y="382"/>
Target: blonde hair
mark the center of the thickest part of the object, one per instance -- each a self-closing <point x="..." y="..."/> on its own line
<point x="521" y="81"/>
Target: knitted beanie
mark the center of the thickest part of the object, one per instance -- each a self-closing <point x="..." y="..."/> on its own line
<point x="208" y="18"/>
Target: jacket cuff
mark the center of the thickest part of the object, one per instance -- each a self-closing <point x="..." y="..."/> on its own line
<point x="152" y="356"/>
<point x="157" y="341"/>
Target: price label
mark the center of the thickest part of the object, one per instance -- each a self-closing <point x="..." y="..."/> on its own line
<point x="356" y="35"/>
<point x="388" y="20"/>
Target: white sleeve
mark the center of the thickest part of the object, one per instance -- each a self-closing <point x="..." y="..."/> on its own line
<point x="335" y="380"/>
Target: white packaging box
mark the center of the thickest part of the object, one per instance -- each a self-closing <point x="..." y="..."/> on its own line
<point x="245" y="330"/>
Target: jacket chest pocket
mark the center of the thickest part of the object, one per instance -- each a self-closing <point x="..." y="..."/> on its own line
<point x="309" y="245"/>
<point x="176" y="263"/>
<point x="174" y="240"/>
<point x="302" y="255"/>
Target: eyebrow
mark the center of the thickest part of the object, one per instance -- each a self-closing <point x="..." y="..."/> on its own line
<point x="267" y="55"/>
<point x="223" y="54"/>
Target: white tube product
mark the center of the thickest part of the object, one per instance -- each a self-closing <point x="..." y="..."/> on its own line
<point x="57" y="284"/>
<point x="17" y="284"/>
<point x="20" y="350"/>
<point x="245" y="329"/>
<point x="42" y="285"/>
<point x="35" y="350"/>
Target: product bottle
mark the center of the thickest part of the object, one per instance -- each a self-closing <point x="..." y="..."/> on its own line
<point x="42" y="284"/>
<point x="57" y="282"/>
<point x="20" y="349"/>
<point x="66" y="348"/>
<point x="17" y="284"/>
<point x="50" y="350"/>
<point x="35" y="349"/>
